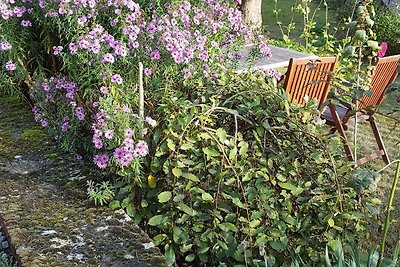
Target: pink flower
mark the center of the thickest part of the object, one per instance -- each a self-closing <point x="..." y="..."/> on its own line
<point x="148" y="71"/>
<point x="116" y="78"/>
<point x="10" y="66"/>
<point x="384" y="47"/>
<point x="128" y="132"/>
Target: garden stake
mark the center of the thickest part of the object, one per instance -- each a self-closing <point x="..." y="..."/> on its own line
<point x="387" y="219"/>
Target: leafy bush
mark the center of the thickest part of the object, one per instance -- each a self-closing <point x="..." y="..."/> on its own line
<point x="237" y="175"/>
<point x="387" y="29"/>
<point x="234" y="173"/>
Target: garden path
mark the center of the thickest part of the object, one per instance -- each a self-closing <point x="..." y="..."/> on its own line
<point x="48" y="223"/>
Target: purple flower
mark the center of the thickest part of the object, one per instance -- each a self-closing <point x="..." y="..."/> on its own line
<point x="65" y="126"/>
<point x="78" y="157"/>
<point x="155" y="55"/>
<point x="104" y="90"/>
<point x="108" y="134"/>
<point x="43" y="122"/>
<point x="186" y="73"/>
<point x="148" y="71"/>
<point x="151" y="122"/>
<point x="10" y="66"/>
<point x="73" y="48"/>
<point x="101" y="160"/>
<point x="57" y="50"/>
<point x="108" y="58"/>
<point x="82" y="20"/>
<point x="264" y="49"/>
<point x="79" y="112"/>
<point x="26" y="23"/>
<point x="398" y="99"/>
<point x="97" y="143"/>
<point x="128" y="132"/>
<point x="141" y="148"/>
<point x="126" y="109"/>
<point x="116" y="78"/>
<point x="119" y="153"/>
<point x="126" y="159"/>
<point x="4" y="45"/>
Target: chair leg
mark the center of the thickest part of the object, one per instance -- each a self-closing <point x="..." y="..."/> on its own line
<point x="378" y="138"/>
<point x="341" y="130"/>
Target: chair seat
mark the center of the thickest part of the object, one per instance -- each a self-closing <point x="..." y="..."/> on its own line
<point x="327" y="115"/>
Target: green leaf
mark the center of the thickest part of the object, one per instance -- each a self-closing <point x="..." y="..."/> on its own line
<point x="191" y="177"/>
<point x="227" y="226"/>
<point x="277" y="245"/>
<point x="331" y="222"/>
<point x="156" y="220"/>
<point x="288" y="186"/>
<point x="170" y="254"/>
<point x="170" y="144"/>
<point x="185" y="208"/>
<point x="159" y="238"/>
<point x="130" y="210"/>
<point x="244" y="147"/>
<point x="373" y="44"/>
<point x="211" y="152"/>
<point x="349" y="51"/>
<point x="360" y="35"/>
<point x="176" y="172"/>
<point x="190" y="257"/>
<point x="237" y="202"/>
<point x="164" y="196"/>
<point x="207" y="197"/>
<point x="115" y="204"/>
<point x="221" y="135"/>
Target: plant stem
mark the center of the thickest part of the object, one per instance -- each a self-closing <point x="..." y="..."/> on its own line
<point x="141" y="94"/>
<point x="387" y="219"/>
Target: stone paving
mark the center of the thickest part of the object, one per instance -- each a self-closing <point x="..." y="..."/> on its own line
<point x="50" y="224"/>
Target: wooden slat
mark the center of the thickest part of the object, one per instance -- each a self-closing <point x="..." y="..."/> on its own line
<point x="309" y="77"/>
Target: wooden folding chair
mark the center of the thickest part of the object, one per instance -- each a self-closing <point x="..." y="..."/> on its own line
<point x="338" y="116"/>
<point x="309" y="77"/>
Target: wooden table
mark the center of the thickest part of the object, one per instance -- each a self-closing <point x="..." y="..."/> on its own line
<point x="280" y="58"/>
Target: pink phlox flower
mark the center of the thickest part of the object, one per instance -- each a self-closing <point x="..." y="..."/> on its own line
<point x="128" y="132"/>
<point x="382" y="51"/>
<point x="104" y="90"/>
<point x="116" y="78"/>
<point x="57" y="50"/>
<point x="264" y="49"/>
<point x="4" y="45"/>
<point x="108" y="134"/>
<point x="101" y="160"/>
<point x="142" y="148"/>
<point x="155" y="55"/>
<point x="43" y="122"/>
<point x="119" y="153"/>
<point x="10" y="66"/>
<point x="26" y="23"/>
<point x="148" y="71"/>
<point x="151" y="122"/>
<point x="108" y="58"/>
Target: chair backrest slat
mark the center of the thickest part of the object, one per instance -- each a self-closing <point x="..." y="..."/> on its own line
<point x="309" y="77"/>
<point x="384" y="74"/>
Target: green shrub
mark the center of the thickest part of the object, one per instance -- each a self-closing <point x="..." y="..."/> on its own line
<point x="387" y="28"/>
<point x="238" y="176"/>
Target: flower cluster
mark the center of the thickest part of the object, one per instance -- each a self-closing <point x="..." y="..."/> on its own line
<point x="105" y="39"/>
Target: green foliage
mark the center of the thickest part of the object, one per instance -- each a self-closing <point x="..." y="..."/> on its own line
<point x="100" y="193"/>
<point x="350" y="256"/>
<point x="239" y="176"/>
<point x="387" y="28"/>
<point x="7" y="260"/>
